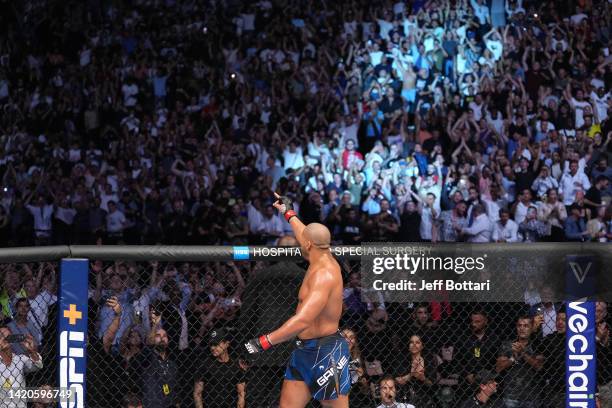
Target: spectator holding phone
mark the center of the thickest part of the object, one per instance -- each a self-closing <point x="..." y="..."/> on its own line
<point x="107" y="366"/>
<point x="13" y="367"/>
<point x="113" y="281"/>
<point x="22" y="325"/>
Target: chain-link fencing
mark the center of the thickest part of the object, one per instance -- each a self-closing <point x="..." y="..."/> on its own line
<point x="28" y="333"/>
<point x="171" y="334"/>
<point x="180" y="328"/>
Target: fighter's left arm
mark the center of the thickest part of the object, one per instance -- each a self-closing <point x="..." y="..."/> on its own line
<point x="309" y="310"/>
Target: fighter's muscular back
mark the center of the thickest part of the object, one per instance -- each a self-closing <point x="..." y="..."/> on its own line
<point x="323" y="279"/>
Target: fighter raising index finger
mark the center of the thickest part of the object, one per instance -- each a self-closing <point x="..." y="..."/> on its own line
<point x="318" y="367"/>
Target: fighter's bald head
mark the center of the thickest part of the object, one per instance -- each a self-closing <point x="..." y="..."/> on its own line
<point x="318" y="234"/>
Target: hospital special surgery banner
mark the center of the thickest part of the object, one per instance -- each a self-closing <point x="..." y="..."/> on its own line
<point x="72" y="330"/>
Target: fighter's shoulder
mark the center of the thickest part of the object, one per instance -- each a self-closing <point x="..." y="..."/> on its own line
<point x="324" y="271"/>
<point x="329" y="266"/>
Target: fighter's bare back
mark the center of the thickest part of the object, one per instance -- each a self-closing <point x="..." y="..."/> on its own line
<point x="323" y="275"/>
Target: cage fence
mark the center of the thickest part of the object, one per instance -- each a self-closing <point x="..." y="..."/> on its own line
<point x="171" y="334"/>
<point x="28" y="311"/>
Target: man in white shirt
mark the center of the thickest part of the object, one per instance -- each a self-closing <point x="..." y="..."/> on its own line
<point x="274" y="172"/>
<point x="481" y="11"/>
<point x="600" y="101"/>
<point x="505" y="229"/>
<point x="573" y="182"/>
<point x="42" y="214"/>
<point x="271" y="226"/>
<point x="13" y="367"/>
<point x="254" y="215"/>
<point x="388" y="393"/>
<point x="130" y="93"/>
<point x="115" y="222"/>
<point x="39" y="303"/>
<point x="480" y="230"/>
<point x="578" y="104"/>
<point x="106" y="196"/>
<point x="348" y="131"/>
<point x="293" y="157"/>
<point x="522" y="206"/>
<point x="544" y="182"/>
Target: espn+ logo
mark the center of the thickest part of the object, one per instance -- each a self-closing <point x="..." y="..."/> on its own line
<point x="69" y="358"/>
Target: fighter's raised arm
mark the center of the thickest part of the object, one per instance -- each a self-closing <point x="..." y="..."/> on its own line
<point x="284" y="205"/>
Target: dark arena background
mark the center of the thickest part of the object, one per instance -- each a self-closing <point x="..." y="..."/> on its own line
<point x="141" y="143"/>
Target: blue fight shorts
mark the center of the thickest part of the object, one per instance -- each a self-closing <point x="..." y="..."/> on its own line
<point x="323" y="364"/>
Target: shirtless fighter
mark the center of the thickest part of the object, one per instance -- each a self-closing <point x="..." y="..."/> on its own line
<point x="318" y="367"/>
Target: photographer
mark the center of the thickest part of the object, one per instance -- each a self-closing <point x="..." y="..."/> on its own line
<point x="13" y="367"/>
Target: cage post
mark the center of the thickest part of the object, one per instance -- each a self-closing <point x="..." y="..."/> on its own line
<point x="72" y="330"/>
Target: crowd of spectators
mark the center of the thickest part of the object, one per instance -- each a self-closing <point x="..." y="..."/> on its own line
<point x="174" y="121"/>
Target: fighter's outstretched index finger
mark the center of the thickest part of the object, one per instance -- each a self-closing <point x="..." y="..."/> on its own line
<point x="276" y="195"/>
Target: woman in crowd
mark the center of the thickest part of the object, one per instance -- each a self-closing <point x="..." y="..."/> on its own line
<point x="418" y="376"/>
<point x="360" y="396"/>
<point x="552" y="212"/>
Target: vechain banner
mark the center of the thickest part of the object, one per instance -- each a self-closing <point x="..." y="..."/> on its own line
<point x="580" y="350"/>
<point x="72" y="329"/>
<point x="580" y="363"/>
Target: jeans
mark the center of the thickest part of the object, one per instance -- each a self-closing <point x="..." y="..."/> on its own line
<point x="511" y="403"/>
<point x="449" y="70"/>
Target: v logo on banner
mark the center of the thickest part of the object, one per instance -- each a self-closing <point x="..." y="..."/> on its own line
<point x="580" y="273"/>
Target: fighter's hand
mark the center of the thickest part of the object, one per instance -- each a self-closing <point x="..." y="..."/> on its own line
<point x="257" y="345"/>
<point x="253" y="346"/>
<point x="282" y="203"/>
